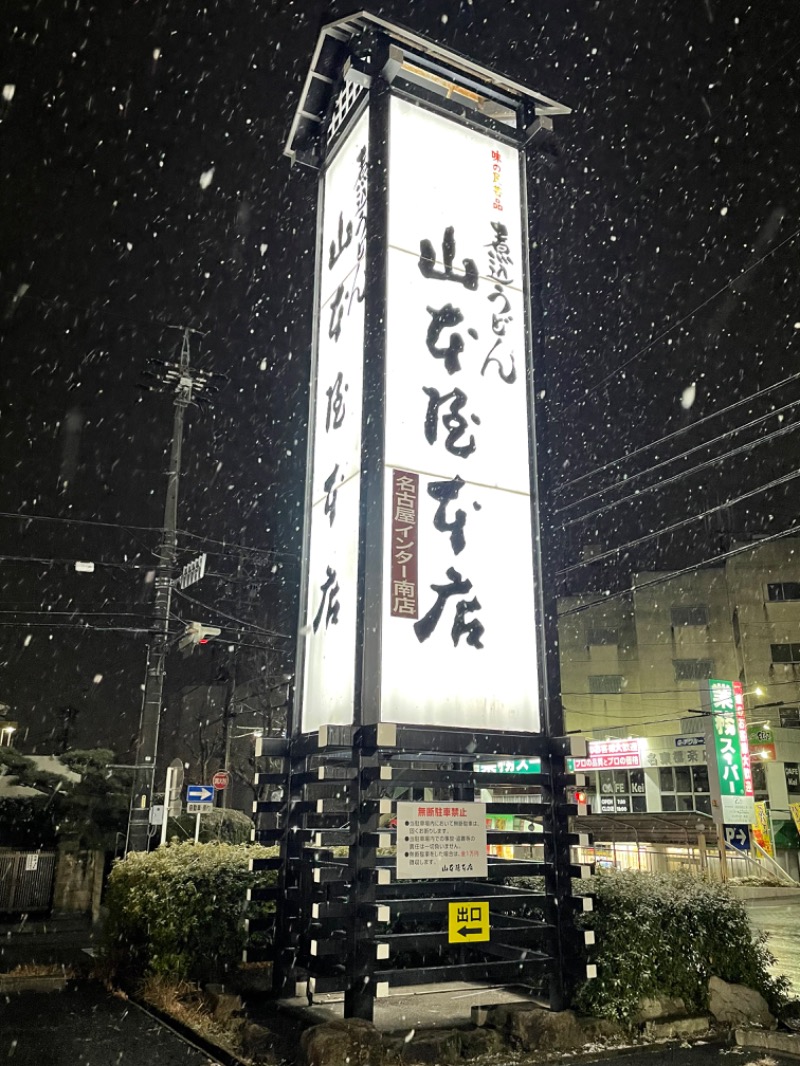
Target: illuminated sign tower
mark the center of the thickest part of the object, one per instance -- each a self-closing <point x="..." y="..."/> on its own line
<point x="420" y="648"/>
<point x="420" y="585"/>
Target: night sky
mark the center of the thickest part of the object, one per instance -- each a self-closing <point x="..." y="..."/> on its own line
<point x="143" y="188"/>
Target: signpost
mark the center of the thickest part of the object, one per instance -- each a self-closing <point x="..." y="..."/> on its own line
<point x="738" y="837"/>
<point x="192" y="572"/>
<point x="172" y="795"/>
<point x="199" y="799"/>
<point x="468" y="921"/>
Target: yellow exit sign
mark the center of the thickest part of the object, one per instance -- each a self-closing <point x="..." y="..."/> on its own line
<point x="468" y="921"/>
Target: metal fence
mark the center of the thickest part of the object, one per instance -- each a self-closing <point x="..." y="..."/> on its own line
<point x="26" y="880"/>
<point x="347" y="923"/>
<point x="661" y="858"/>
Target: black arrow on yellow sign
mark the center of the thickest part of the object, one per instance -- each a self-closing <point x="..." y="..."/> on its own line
<point x="462" y="916"/>
<point x="466" y="931"/>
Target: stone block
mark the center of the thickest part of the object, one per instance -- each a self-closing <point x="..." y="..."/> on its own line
<point x="349" y="1042"/>
<point x="533" y="1029"/>
<point x="223" y="1005"/>
<point x="676" y="1028"/>
<point x="440" y="1046"/>
<point x="256" y="1041"/>
<point x="651" y="1007"/>
<point x="601" y="1029"/>
<point x="476" y="1042"/>
<point x="764" y="1040"/>
<point x="738" y="1005"/>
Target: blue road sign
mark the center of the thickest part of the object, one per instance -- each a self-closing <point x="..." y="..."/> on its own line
<point x="200" y="794"/>
<point x="738" y="836"/>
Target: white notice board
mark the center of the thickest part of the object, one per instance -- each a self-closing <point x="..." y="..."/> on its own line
<point x="441" y="840"/>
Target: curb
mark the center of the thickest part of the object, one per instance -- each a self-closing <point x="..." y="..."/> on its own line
<point x="11" y="984"/>
<point x="769" y="1040"/>
<point x="189" y="1036"/>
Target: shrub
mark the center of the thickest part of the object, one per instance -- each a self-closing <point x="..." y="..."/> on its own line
<point x="666" y="935"/>
<point x="178" y="911"/>
<point x="218" y="824"/>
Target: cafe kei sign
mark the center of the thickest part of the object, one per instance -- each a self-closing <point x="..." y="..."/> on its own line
<point x="458" y="642"/>
<point x="730" y="773"/>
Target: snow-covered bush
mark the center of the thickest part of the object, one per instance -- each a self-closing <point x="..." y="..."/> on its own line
<point x="665" y="935"/>
<point x="178" y="910"/>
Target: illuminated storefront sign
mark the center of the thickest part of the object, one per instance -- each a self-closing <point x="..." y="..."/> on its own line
<point x="609" y="755"/>
<point x="459" y="640"/>
<point x="730" y="772"/>
<point x="511" y="766"/>
<point x="632" y="746"/>
<point x="605" y="762"/>
<point x="762" y="743"/>
<point x="329" y="632"/>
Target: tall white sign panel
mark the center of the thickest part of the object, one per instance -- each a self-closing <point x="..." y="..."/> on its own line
<point x="329" y="630"/>
<point x="459" y="642"/>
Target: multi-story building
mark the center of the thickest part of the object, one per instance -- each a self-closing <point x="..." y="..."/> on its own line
<point x="634" y="668"/>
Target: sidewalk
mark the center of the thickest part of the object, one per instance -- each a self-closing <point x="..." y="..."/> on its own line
<point x="60" y="941"/>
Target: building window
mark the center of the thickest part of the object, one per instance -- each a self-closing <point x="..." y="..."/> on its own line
<point x="759" y="780"/>
<point x="685" y="788"/>
<point x="790" y="717"/>
<point x="620" y="792"/>
<point x="785" y="653"/>
<point x="606" y="684"/>
<point x="604" y="635"/>
<point x="778" y="591"/>
<point x="693" y="669"/>
<point x="692" y="614"/>
<point x="792" y="772"/>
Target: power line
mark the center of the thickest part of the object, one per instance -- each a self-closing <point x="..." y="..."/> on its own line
<point x="78" y="521"/>
<point x="238" y="547"/>
<point x="678" y="432"/>
<point x="660" y="694"/>
<point x="672" y="574"/>
<point x="77" y="626"/>
<point x="776" y="483"/>
<point x="129" y="528"/>
<point x="223" y="614"/>
<point x="681" y="455"/>
<point x="75" y="613"/>
<point x="742" y="449"/>
<point x="44" y="561"/>
<point x="59" y="303"/>
<point x="690" y="314"/>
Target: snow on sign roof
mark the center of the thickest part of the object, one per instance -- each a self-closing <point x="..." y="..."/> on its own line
<point x="332" y="50"/>
<point x="51" y="764"/>
<point x="10" y="789"/>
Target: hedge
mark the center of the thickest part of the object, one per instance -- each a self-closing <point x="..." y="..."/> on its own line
<point x="666" y="935"/>
<point x="179" y="910"/>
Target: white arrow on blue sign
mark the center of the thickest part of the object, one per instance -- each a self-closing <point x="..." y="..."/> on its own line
<point x="738" y="836"/>
<point x="200" y="794"/>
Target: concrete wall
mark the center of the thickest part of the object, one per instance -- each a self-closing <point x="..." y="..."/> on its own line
<point x="78" y="883"/>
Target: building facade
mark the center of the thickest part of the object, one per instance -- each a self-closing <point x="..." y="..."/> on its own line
<point x="632" y="671"/>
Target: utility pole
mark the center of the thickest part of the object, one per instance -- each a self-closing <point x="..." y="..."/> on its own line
<point x="188" y="386"/>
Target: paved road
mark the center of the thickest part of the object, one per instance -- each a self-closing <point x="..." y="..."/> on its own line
<point x="85" y="1026"/>
<point x="699" y="1054"/>
<point x="781" y="919"/>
